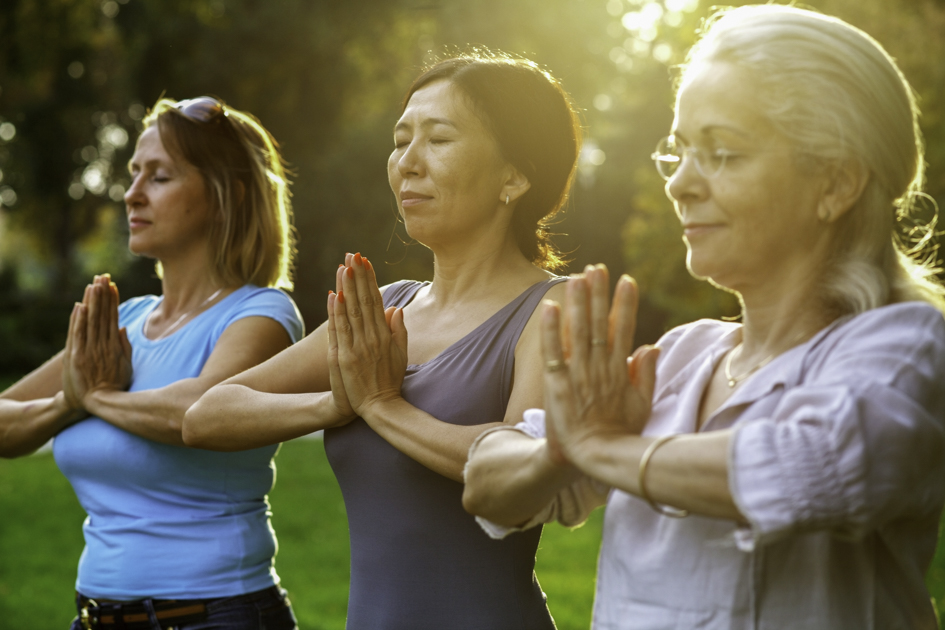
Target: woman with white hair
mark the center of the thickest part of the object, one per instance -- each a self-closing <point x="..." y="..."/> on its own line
<point x="785" y="472"/>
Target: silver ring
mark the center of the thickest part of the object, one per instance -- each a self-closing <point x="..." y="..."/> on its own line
<point x="554" y="365"/>
<point x="598" y="342"/>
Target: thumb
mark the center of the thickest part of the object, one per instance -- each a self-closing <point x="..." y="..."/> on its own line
<point x="125" y="344"/>
<point x="398" y="330"/>
<point x="641" y="369"/>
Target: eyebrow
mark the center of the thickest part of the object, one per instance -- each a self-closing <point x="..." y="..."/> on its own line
<point x="708" y="129"/>
<point x="427" y="122"/>
<point x="151" y="162"/>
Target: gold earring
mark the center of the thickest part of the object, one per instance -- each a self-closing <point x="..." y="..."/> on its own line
<point x="506" y="200"/>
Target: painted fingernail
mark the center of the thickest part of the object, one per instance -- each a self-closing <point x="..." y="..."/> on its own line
<point x="341" y="297"/>
<point x="349" y="272"/>
<point x="357" y="259"/>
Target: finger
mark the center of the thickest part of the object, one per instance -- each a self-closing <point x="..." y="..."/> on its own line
<point x="341" y="323"/>
<point x="389" y="314"/>
<point x="379" y="312"/>
<point x="81" y="323"/>
<point x="98" y="316"/>
<point x="334" y="369"/>
<point x="623" y="317"/>
<point x="578" y="324"/>
<point x="70" y="334"/>
<point x="372" y="313"/>
<point x="352" y="305"/>
<point x="556" y="370"/>
<point x="88" y="292"/>
<point x="338" y="276"/>
<point x="599" y="282"/>
<point x="556" y="380"/>
<point x="112" y="312"/>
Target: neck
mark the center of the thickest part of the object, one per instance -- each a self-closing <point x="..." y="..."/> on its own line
<point x="475" y="269"/>
<point x="778" y="316"/>
<point x="186" y="284"/>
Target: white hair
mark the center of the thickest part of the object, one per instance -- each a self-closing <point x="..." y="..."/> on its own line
<point x="835" y="93"/>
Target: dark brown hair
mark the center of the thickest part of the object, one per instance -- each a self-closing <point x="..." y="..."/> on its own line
<point x="246" y="184"/>
<point x="536" y="127"/>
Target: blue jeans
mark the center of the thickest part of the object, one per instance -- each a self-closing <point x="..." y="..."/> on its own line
<point x="268" y="609"/>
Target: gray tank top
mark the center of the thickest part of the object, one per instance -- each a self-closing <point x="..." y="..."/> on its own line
<point x="418" y="560"/>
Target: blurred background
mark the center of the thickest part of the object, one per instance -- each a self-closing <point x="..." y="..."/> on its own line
<point x="326" y="78"/>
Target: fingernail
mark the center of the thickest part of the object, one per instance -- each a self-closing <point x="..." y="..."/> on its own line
<point x="350" y="272"/>
<point x="341" y="297"/>
<point x="357" y="259"/>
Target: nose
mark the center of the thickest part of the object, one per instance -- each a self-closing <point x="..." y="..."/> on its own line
<point x="687" y="183"/>
<point x="135" y="196"/>
<point x="410" y="163"/>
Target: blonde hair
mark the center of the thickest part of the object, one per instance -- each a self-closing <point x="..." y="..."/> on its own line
<point x="837" y="95"/>
<point x="247" y="185"/>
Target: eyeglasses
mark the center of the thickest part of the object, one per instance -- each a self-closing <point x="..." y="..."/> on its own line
<point x="669" y="157"/>
<point x="201" y="109"/>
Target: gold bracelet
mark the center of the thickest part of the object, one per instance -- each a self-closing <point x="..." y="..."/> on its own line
<point x="644" y="462"/>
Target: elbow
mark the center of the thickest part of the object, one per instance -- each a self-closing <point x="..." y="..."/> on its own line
<point x="195" y="429"/>
<point x="475" y="498"/>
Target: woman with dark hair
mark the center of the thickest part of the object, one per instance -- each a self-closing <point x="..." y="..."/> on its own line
<point x="176" y="537"/>
<point x="484" y="154"/>
<point x="785" y="471"/>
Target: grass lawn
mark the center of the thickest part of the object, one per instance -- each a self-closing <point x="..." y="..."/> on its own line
<point x="41" y="539"/>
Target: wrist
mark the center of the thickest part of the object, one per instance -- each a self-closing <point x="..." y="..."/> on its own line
<point x="67" y="411"/>
<point x="378" y="407"/>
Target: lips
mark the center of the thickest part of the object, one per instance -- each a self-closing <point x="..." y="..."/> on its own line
<point x="136" y="222"/>
<point x="695" y="230"/>
<point x="410" y="198"/>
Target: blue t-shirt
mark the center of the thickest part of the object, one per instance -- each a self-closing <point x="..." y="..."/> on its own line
<point x="165" y="521"/>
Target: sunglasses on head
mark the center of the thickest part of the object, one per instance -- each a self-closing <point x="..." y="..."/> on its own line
<point x="201" y="109"/>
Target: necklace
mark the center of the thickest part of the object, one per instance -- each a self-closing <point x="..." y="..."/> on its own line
<point x="734" y="380"/>
<point x="179" y="320"/>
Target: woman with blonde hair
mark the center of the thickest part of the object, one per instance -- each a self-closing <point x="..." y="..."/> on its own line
<point x="484" y="153"/>
<point x="785" y="472"/>
<point x="176" y="537"/>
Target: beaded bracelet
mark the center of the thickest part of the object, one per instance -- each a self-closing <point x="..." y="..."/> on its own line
<point x="644" y="462"/>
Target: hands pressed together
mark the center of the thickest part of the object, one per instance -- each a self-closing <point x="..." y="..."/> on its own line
<point x="367" y="344"/>
<point x="97" y="354"/>
<point x="594" y="389"/>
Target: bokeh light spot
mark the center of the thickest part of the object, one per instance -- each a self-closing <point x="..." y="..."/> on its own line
<point x="75" y="69"/>
<point x="7" y="196"/>
<point x="603" y="102"/>
<point x="110" y="8"/>
<point x="7" y="131"/>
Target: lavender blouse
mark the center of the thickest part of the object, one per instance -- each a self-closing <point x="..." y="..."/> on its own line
<point x="837" y="461"/>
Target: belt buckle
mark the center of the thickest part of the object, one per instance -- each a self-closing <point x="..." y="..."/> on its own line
<point x="88" y="622"/>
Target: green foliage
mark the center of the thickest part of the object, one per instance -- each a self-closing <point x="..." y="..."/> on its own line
<point x="326" y="78"/>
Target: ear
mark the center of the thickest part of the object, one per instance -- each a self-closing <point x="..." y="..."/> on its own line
<point x="515" y="185"/>
<point x="844" y="187"/>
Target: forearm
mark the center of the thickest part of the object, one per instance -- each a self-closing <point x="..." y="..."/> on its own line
<point x="27" y="425"/>
<point x="440" y="446"/>
<point x="232" y="417"/>
<point x="155" y="414"/>
<point x="510" y="478"/>
<point x="690" y="472"/>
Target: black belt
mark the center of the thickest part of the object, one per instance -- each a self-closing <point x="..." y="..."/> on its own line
<point x="136" y="616"/>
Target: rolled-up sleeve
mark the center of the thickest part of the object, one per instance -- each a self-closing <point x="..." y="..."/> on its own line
<point x="858" y="443"/>
<point x="571" y="505"/>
